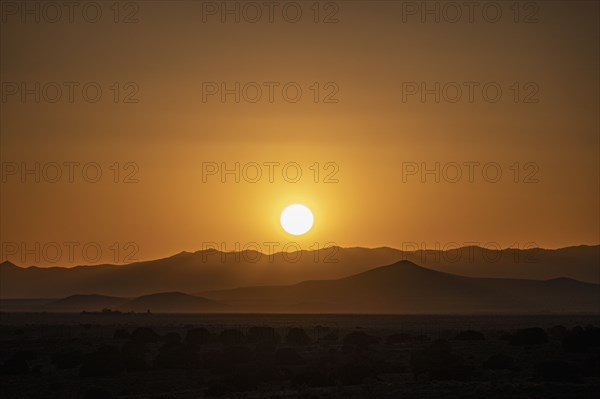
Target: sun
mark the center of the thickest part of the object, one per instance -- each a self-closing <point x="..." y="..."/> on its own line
<point x="296" y="219"/>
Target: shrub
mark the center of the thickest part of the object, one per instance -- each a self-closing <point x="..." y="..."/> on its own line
<point x="231" y="337"/>
<point x="144" y="335"/>
<point x="360" y="340"/>
<point x="97" y="393"/>
<point x="297" y="336"/>
<point x="235" y="355"/>
<point x="331" y="337"/>
<point x="312" y="377"/>
<point x="133" y="356"/>
<point x="557" y="371"/>
<point x="67" y="359"/>
<point x="591" y="366"/>
<point x="440" y="346"/>
<point x="26" y="355"/>
<point x="198" y="336"/>
<point x="121" y="334"/>
<point x="470" y="335"/>
<point x="288" y="357"/>
<point x="528" y="337"/>
<point x="15" y="366"/>
<point x="499" y="362"/>
<point x="439" y="363"/>
<point x="171" y="338"/>
<point x="354" y="373"/>
<point x="264" y="335"/>
<point x="581" y="340"/>
<point x="558" y="332"/>
<point x="234" y="381"/>
<point x="398" y="338"/>
<point x="265" y="349"/>
<point x="175" y="356"/>
<point x="106" y="361"/>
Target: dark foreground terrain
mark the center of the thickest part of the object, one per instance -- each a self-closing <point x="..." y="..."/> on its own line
<point x="113" y="355"/>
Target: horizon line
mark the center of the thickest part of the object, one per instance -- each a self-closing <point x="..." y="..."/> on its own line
<point x="214" y="250"/>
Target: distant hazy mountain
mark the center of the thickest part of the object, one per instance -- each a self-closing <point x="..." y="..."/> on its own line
<point x="188" y="272"/>
<point x="404" y="287"/>
<point x="213" y="270"/>
<point x="166" y="302"/>
<point x="78" y="303"/>
<point x="169" y="302"/>
<point x="579" y="263"/>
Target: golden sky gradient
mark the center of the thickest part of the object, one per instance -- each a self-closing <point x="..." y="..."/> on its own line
<point x="367" y="137"/>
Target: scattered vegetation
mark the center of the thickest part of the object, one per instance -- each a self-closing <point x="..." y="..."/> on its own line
<point x="297" y="336"/>
<point x="144" y="335"/>
<point x="529" y="337"/>
<point x="500" y="361"/>
<point x="469" y="335"/>
<point x="225" y="362"/>
<point x="438" y="362"/>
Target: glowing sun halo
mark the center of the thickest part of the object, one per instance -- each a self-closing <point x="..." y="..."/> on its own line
<point x="296" y="219"/>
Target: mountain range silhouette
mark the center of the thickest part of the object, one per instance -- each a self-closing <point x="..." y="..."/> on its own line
<point x="213" y="270"/>
<point x="401" y="288"/>
<point x="405" y="287"/>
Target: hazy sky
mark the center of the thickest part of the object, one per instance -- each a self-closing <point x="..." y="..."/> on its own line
<point x="386" y="91"/>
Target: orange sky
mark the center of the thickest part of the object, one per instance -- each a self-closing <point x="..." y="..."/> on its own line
<point x="373" y="126"/>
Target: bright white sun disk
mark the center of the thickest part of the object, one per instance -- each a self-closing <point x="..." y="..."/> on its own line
<point x="296" y="219"/>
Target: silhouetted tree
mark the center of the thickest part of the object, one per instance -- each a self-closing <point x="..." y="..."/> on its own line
<point x="297" y="336"/>
<point x="355" y="372"/>
<point x="234" y="381"/>
<point x="236" y="355"/>
<point x="440" y="346"/>
<point x="266" y="335"/>
<point x="121" y="334"/>
<point x="558" y="332"/>
<point x="331" y="337"/>
<point x="439" y="363"/>
<point x="591" y="366"/>
<point x="528" y="337"/>
<point x="469" y="335"/>
<point x="499" y="361"/>
<point x="198" y="336"/>
<point x="175" y="356"/>
<point x="577" y="329"/>
<point x="171" y="338"/>
<point x="399" y="338"/>
<point x="265" y="348"/>
<point x="312" y="377"/>
<point x="582" y="340"/>
<point x="67" y="359"/>
<point x="144" y="335"/>
<point x="359" y="340"/>
<point x="288" y="357"/>
<point x="322" y="330"/>
<point x="231" y="337"/>
<point x="557" y="371"/>
<point x="106" y="361"/>
<point x="98" y="393"/>
<point x="15" y="365"/>
<point x="133" y="356"/>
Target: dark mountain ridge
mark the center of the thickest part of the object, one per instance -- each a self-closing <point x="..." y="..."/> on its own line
<point x="405" y="287"/>
<point x="213" y="270"/>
